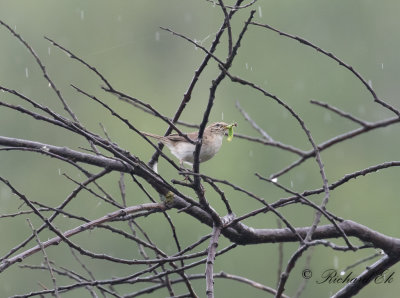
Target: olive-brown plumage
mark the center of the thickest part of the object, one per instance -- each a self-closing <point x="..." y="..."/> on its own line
<point x="183" y="150"/>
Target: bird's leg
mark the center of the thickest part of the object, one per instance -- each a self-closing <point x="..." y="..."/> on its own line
<point x="186" y="177"/>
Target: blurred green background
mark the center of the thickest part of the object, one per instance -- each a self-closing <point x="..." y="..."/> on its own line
<point x="122" y="39"/>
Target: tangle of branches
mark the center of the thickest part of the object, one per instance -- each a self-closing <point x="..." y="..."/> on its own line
<point x="156" y="267"/>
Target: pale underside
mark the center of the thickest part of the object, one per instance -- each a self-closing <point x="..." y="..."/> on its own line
<point x="184" y="150"/>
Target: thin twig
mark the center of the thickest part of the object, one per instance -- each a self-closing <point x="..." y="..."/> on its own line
<point x="330" y="55"/>
<point x="253" y="123"/>
<point x="340" y="112"/>
<point x="46" y="258"/>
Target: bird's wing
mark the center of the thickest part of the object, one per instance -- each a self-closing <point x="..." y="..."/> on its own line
<point x="152" y="135"/>
<point x="176" y="138"/>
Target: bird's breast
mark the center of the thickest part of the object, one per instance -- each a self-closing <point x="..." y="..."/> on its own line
<point x="184" y="151"/>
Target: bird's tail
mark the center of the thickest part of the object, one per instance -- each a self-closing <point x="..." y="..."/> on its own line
<point x="157" y="137"/>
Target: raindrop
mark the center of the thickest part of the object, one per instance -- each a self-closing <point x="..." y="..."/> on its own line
<point x="291" y="183"/>
<point x="15" y="27"/>
<point x="361" y="109"/>
<point x="259" y="12"/>
<point x="26" y="72"/>
<point x="275" y="180"/>
<point x="157" y="35"/>
<point x="155" y="167"/>
<point x="98" y="204"/>
<point x="4" y="193"/>
<point x="49" y="85"/>
<point x="204" y="39"/>
<point x="327" y="117"/>
<point x="59" y="172"/>
<point x="342" y="273"/>
<point x="188" y="17"/>
<point x="335" y="262"/>
<point x="45" y="148"/>
<point x="247" y="65"/>
<point x="251" y="153"/>
<point x="251" y="68"/>
<point x="222" y="115"/>
<point x="370" y="83"/>
<point x="82" y="14"/>
<point x="48" y="50"/>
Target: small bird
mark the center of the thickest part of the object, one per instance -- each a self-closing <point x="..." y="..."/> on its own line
<point x="183" y="150"/>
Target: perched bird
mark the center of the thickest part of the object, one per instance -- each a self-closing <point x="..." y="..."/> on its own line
<point x="183" y="150"/>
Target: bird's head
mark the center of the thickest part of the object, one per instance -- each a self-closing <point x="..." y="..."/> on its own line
<point x="220" y="127"/>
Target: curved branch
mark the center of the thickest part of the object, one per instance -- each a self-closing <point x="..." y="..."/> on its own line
<point x="341" y="62"/>
<point x="373" y="272"/>
<point x="238" y="233"/>
<point x="135" y="167"/>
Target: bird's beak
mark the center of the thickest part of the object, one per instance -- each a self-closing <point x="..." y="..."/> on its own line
<point x="229" y="126"/>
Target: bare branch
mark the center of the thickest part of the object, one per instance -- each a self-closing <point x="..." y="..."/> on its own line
<point x="340" y="112"/>
<point x="188" y="94"/>
<point x="42" y="67"/>
<point x="212" y="249"/>
<point x="46" y="259"/>
<point x="374" y="271"/>
<point x="166" y="249"/>
<point x="330" y="55"/>
<point x="253" y="123"/>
